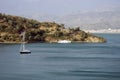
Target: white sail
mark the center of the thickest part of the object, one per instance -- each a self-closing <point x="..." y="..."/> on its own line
<point x="22" y="49"/>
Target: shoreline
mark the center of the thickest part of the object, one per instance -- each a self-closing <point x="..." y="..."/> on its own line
<point x="10" y="42"/>
<point x="104" y="31"/>
<point x="49" y="42"/>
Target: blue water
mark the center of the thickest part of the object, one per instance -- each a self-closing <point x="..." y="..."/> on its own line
<point x="52" y="61"/>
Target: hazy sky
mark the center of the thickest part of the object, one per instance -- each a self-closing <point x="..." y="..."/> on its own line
<point x="54" y="7"/>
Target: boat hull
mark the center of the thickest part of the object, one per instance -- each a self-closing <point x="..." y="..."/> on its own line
<point x="25" y="52"/>
<point x="64" y="41"/>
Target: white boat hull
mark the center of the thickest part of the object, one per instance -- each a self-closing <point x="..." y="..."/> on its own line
<point x="64" y="41"/>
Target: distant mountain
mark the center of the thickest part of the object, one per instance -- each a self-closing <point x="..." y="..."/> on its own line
<point x="93" y="20"/>
<point x="102" y="19"/>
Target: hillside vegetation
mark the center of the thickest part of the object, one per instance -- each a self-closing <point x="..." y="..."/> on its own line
<point x="12" y="26"/>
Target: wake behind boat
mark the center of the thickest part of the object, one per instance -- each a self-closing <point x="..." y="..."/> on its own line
<point x="22" y="49"/>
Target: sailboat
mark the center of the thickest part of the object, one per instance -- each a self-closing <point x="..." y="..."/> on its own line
<point x="22" y="48"/>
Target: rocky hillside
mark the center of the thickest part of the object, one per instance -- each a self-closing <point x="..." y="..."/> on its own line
<point x="12" y="26"/>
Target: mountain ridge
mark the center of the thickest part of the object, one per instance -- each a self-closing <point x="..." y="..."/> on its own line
<point x="103" y="19"/>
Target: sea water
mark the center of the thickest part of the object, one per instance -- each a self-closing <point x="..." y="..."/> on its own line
<point x="53" y="61"/>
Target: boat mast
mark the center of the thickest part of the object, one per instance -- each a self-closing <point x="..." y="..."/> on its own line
<point x="23" y="41"/>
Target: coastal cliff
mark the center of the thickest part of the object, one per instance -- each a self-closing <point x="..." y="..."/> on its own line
<point x="12" y="26"/>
